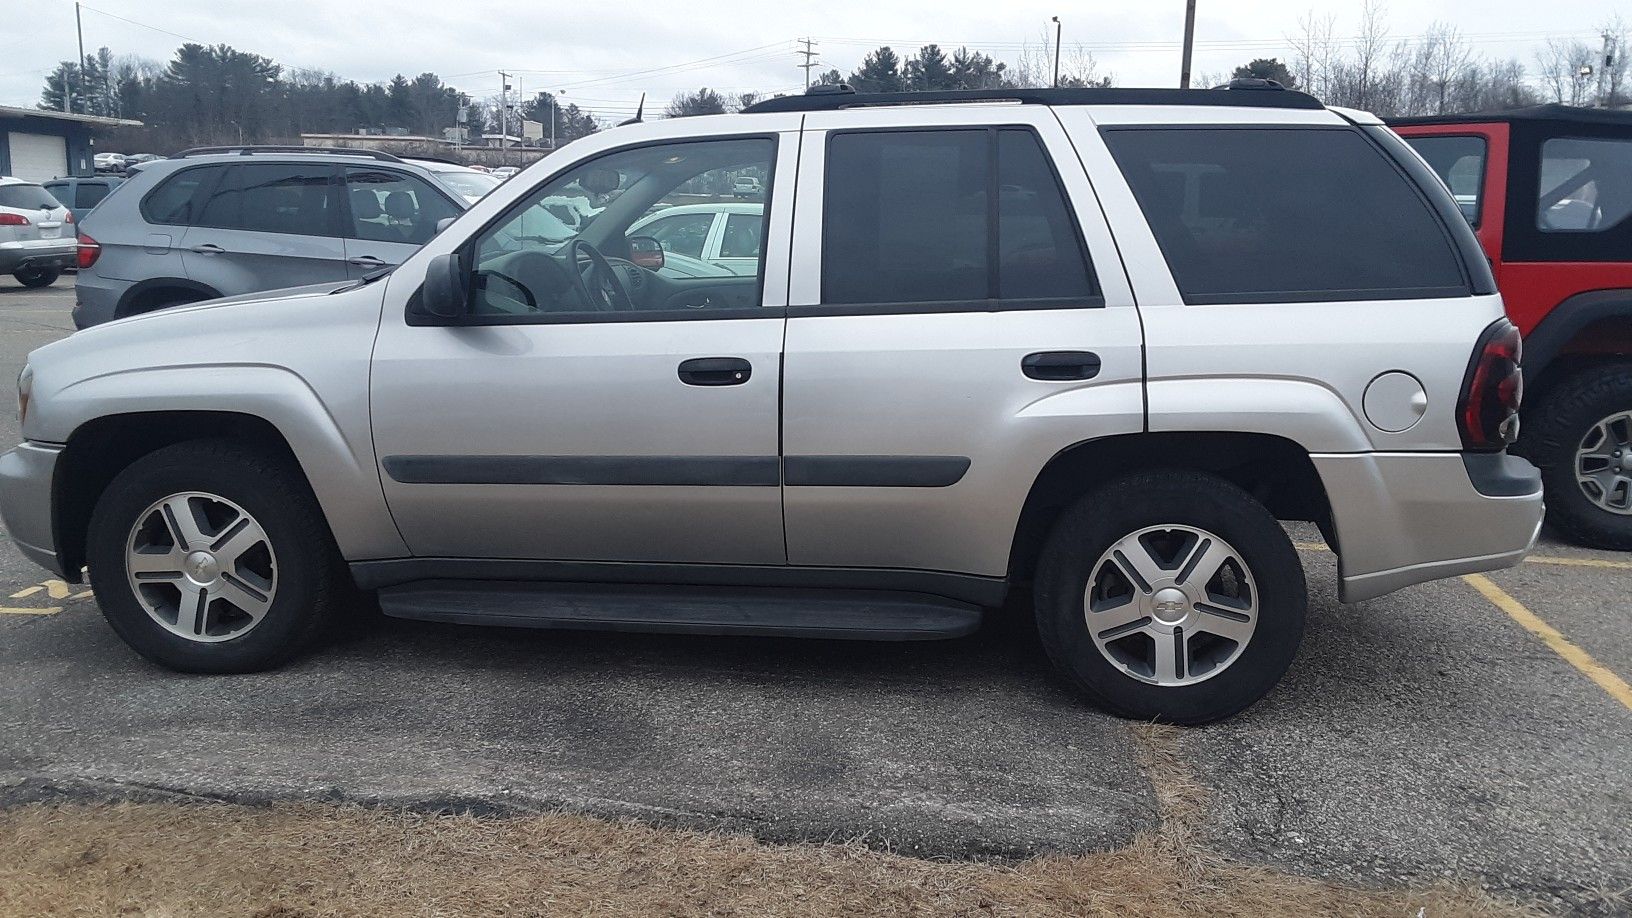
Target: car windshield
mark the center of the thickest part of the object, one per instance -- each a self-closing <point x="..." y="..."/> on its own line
<point x="470" y="184"/>
<point x="26" y="197"/>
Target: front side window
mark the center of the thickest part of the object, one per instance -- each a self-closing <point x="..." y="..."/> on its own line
<point x="294" y="198"/>
<point x="1460" y="163"/>
<point x="1586" y="184"/>
<point x="563" y="252"/>
<point x="389" y="206"/>
<point x="952" y="216"/>
<point x="1282" y="215"/>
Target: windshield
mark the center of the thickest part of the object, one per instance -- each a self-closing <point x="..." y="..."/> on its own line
<point x="470" y="184"/>
<point x="26" y="197"/>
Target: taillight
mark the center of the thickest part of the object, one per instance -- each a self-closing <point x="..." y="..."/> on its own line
<point x="87" y="252"/>
<point x="68" y="217"/>
<point x="1488" y="412"/>
<point x="13" y="220"/>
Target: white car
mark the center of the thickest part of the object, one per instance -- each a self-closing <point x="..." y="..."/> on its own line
<point x="746" y="186"/>
<point x="471" y="184"/>
<point x="504" y="172"/>
<point x="109" y="162"/>
<point x="725" y="235"/>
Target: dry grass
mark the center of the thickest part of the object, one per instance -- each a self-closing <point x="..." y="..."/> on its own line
<point x="287" y="861"/>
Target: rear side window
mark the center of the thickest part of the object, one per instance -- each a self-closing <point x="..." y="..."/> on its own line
<point x="26" y="197"/>
<point x="1460" y="164"/>
<point x="293" y="198"/>
<point x="1586" y="184"/>
<point x="90" y="194"/>
<point x="177" y="198"/>
<point x="953" y="216"/>
<point x="742" y="235"/>
<point x="1282" y="215"/>
<point x="388" y="206"/>
<point x="62" y="192"/>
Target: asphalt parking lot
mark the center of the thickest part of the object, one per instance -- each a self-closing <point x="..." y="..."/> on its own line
<point x="1450" y="731"/>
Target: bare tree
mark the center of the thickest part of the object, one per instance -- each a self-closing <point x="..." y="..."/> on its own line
<point x="1313" y="53"/>
<point x="1564" y="68"/>
<point x="1369" y="53"/>
<point x="1613" y="67"/>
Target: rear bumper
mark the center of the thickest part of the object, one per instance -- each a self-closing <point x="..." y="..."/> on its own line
<point x="26" y="474"/>
<point x="37" y="253"/>
<point x="1407" y="518"/>
<point x="96" y="299"/>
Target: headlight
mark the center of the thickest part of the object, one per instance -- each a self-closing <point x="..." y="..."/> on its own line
<point x="25" y="386"/>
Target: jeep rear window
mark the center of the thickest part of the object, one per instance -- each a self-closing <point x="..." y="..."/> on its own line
<point x="1281" y="215"/>
<point x="1586" y="184"/>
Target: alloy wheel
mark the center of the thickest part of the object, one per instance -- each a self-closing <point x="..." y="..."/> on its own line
<point x="1603" y="464"/>
<point x="201" y="566"/>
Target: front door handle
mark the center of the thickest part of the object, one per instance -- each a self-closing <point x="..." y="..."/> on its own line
<point x="715" y="371"/>
<point x="365" y="261"/>
<point x="1061" y="365"/>
<point x="207" y="248"/>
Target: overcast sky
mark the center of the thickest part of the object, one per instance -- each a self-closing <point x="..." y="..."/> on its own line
<point x="603" y="54"/>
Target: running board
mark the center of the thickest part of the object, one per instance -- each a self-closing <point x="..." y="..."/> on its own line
<point x="768" y="611"/>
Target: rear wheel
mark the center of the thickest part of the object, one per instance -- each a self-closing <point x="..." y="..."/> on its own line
<point x="1171" y="596"/>
<point x="37" y="277"/>
<point x="163" y="299"/>
<point x="207" y="556"/>
<point x="1581" y="436"/>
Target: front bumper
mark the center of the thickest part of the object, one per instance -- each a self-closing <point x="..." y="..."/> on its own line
<point x="26" y="474"/>
<point x="37" y="253"/>
<point x="1407" y="518"/>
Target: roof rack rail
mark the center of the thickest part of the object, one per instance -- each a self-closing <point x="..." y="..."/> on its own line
<point x="250" y="149"/>
<point x="1256" y="95"/>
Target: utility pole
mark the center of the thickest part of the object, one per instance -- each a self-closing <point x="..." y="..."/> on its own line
<point x="1603" y="72"/>
<point x="504" y="112"/>
<point x="1189" y="41"/>
<point x="809" y="53"/>
<point x="1057" y="28"/>
<point x="79" y="69"/>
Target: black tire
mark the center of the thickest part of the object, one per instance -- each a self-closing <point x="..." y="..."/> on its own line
<point x="1553" y="433"/>
<point x="163" y="300"/>
<point x="1088" y="528"/>
<point x="311" y="583"/>
<point x="37" y="277"/>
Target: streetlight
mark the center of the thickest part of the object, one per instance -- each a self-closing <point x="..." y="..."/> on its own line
<point x="1057" y="27"/>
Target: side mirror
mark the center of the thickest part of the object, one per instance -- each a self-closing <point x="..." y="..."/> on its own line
<point x="445" y="296"/>
<point x="645" y="252"/>
<point x="444" y="223"/>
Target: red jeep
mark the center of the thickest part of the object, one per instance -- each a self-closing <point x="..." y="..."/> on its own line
<point x="1549" y="191"/>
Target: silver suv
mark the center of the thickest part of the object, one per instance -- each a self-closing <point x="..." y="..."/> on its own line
<point x="1095" y="341"/>
<point x="220" y="221"/>
<point x="36" y="233"/>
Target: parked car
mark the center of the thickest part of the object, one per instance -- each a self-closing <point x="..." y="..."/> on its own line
<point x="36" y="233"/>
<point x="472" y="184"/>
<point x="505" y="172"/>
<point x="109" y="162"/>
<point x="724" y="235"/>
<point x="79" y="195"/>
<point x="1549" y="192"/>
<point x="1112" y="383"/>
<point x="227" y="221"/>
<point x="746" y="186"/>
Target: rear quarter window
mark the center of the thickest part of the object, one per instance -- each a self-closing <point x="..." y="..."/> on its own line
<point x="1284" y="215"/>
<point x="177" y="198"/>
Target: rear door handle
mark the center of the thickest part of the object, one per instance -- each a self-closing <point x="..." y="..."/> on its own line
<point x="1061" y="365"/>
<point x="207" y="248"/>
<point x="365" y="261"/>
<point x="715" y="371"/>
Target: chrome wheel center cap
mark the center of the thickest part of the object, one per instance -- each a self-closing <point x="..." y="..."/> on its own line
<point x="201" y="567"/>
<point x="1169" y="605"/>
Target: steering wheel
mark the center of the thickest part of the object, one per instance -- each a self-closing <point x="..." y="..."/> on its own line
<point x="607" y="293"/>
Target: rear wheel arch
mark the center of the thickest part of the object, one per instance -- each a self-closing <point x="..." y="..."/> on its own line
<point x="156" y="292"/>
<point x="1580" y="330"/>
<point x="1275" y="470"/>
<point x="98" y="450"/>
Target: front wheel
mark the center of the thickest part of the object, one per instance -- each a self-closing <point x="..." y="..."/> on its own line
<point x="1171" y="596"/>
<point x="211" y="557"/>
<point x="37" y="277"/>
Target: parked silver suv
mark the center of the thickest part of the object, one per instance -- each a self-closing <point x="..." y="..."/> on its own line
<point x="1095" y="341"/>
<point x="220" y="221"/>
<point x="36" y="233"/>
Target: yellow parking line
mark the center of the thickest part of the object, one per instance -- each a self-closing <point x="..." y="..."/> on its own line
<point x="24" y="594"/>
<point x="1580" y="562"/>
<point x="82" y="594"/>
<point x="56" y="589"/>
<point x="1573" y="655"/>
<point x="48" y="610"/>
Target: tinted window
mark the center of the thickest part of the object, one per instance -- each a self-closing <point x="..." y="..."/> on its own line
<point x="175" y="200"/>
<point x="683" y="234"/>
<point x="390" y="206"/>
<point x="1460" y="164"/>
<point x="62" y="192"/>
<point x="910" y="218"/>
<point x="294" y="198"/>
<point x="742" y="236"/>
<point x="1586" y="184"/>
<point x="26" y="197"/>
<point x="91" y="194"/>
<point x="1261" y="214"/>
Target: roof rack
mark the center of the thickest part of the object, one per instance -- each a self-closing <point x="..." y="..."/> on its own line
<point x="250" y="149"/>
<point x="1238" y="93"/>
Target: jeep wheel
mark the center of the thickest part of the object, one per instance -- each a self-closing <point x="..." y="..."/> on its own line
<point x="37" y="277"/>
<point x="1581" y="436"/>
<point x="1171" y="596"/>
<point x="209" y="557"/>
